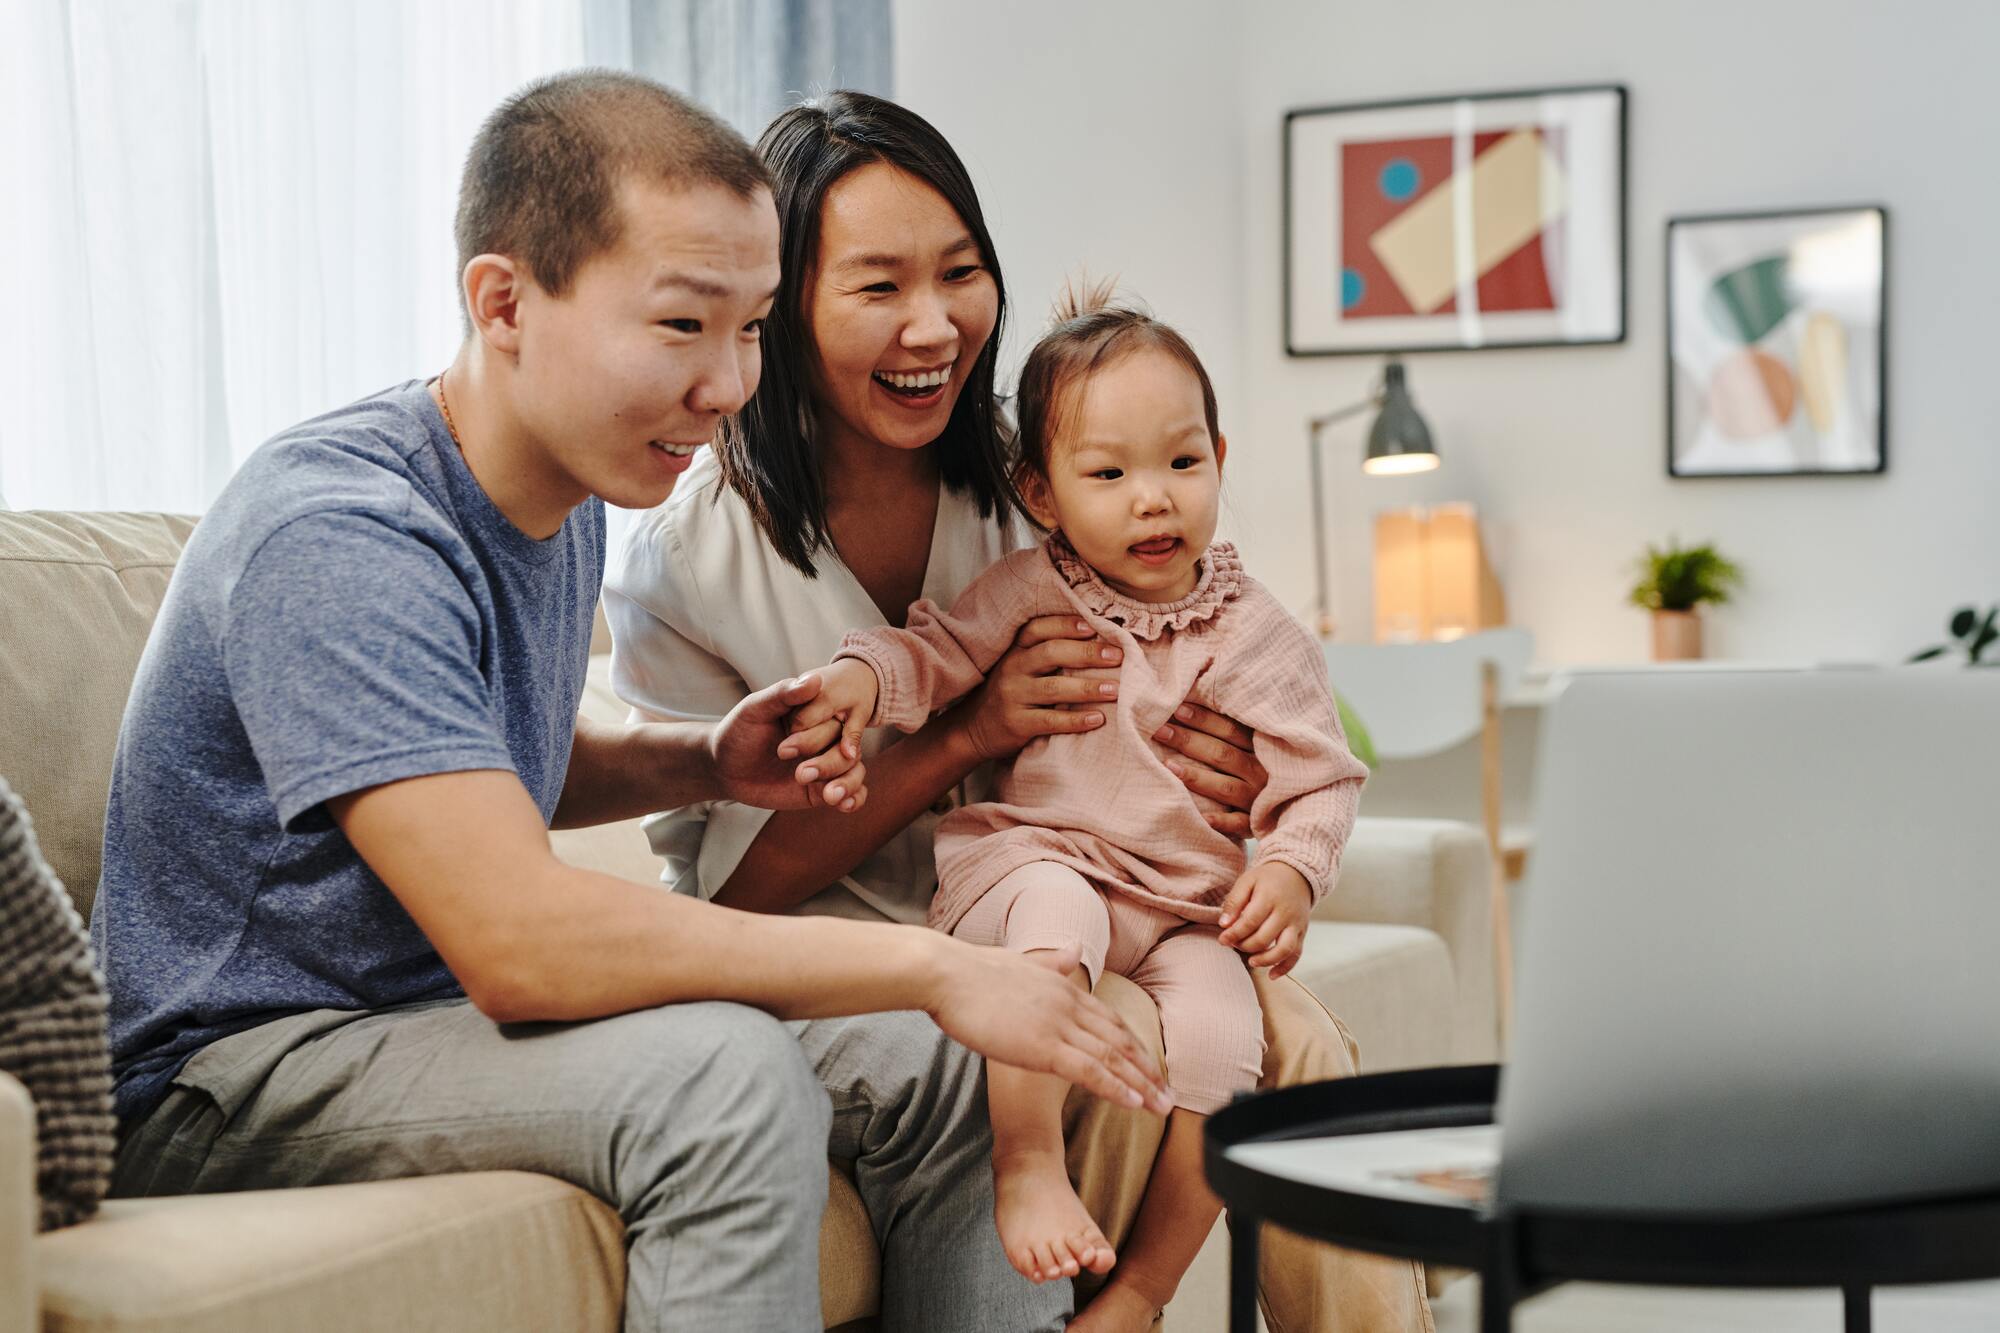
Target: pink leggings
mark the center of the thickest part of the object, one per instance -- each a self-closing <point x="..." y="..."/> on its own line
<point x="1209" y="1017"/>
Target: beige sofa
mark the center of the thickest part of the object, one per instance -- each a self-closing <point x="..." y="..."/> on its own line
<point x="1403" y="953"/>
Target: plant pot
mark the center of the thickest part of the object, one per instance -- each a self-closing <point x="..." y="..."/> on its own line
<point x="1676" y="636"/>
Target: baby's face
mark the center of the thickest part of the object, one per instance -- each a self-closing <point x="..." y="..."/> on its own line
<point x="1135" y="478"/>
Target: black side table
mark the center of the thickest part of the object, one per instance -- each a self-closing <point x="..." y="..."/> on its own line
<point x="1519" y="1254"/>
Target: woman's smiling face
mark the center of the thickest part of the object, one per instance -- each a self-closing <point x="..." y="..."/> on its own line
<point x="899" y="306"/>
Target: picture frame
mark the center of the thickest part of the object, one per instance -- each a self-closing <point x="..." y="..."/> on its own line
<point x="1778" y="343"/>
<point x="1484" y="220"/>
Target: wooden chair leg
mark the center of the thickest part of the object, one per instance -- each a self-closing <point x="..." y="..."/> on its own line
<point x="1503" y="959"/>
<point x="1489" y="792"/>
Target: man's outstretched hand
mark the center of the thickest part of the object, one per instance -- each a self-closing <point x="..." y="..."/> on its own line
<point x="1023" y="1010"/>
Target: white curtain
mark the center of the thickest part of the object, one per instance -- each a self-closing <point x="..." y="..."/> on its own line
<point x="222" y="217"/>
<point x="750" y="59"/>
<point x="231" y="215"/>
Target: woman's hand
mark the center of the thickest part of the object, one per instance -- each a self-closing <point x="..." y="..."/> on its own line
<point x="1217" y="762"/>
<point x="1030" y="692"/>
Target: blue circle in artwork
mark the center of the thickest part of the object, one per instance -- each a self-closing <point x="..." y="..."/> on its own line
<point x="1352" y="288"/>
<point x="1400" y="179"/>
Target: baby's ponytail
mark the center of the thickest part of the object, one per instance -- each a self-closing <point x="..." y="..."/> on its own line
<point x="1081" y="297"/>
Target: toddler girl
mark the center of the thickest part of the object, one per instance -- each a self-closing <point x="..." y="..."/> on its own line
<point x="1094" y="845"/>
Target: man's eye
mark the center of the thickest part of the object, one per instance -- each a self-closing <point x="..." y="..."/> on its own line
<point x="682" y="325"/>
<point x="880" y="288"/>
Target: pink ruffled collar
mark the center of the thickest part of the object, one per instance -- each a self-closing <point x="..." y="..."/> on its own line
<point x="1220" y="580"/>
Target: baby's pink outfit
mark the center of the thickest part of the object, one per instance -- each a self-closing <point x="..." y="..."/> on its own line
<point x="1092" y="839"/>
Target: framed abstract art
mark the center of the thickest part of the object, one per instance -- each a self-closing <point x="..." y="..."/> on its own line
<point x="1488" y="220"/>
<point x="1777" y="345"/>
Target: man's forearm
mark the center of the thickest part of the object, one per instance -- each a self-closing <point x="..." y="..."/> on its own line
<point x="800" y="852"/>
<point x="622" y="772"/>
<point x="594" y="945"/>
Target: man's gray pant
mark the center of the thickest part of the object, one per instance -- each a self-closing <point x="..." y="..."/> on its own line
<point x="705" y="1125"/>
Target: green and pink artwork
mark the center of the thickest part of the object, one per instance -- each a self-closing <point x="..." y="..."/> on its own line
<point x="1495" y="220"/>
<point x="1776" y="343"/>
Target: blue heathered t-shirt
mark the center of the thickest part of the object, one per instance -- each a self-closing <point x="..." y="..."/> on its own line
<point x="354" y="610"/>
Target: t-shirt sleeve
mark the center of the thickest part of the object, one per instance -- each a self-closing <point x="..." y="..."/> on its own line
<point x="352" y="652"/>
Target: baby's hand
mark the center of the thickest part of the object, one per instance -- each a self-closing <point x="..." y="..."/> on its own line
<point x="1266" y="914"/>
<point x="836" y="716"/>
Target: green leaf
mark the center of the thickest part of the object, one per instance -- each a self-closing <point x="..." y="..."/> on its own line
<point x="1681" y="578"/>
<point x="1928" y="654"/>
<point x="1358" y="739"/>
<point x="1986" y="635"/>
<point x="1962" y="621"/>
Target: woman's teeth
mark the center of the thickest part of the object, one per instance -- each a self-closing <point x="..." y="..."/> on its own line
<point x="677" y="450"/>
<point x="913" y="384"/>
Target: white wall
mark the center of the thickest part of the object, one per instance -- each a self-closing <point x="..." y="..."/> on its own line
<point x="1144" y="139"/>
<point x="1733" y="105"/>
<point x="1094" y="133"/>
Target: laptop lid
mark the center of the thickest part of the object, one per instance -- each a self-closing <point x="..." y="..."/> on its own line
<point x="1759" y="959"/>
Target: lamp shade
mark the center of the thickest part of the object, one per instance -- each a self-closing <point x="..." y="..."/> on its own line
<point x="1399" y="441"/>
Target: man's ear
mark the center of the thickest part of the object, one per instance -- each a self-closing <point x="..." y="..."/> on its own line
<point x="493" y="287"/>
<point x="1034" y="489"/>
<point x="1221" y="449"/>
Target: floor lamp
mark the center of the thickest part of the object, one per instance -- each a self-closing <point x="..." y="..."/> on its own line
<point x="1398" y="442"/>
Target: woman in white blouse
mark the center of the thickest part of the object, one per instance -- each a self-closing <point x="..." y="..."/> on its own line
<point x="868" y="471"/>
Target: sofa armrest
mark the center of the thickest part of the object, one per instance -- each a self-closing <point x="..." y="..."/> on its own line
<point x="20" y="1208"/>
<point x="1436" y="874"/>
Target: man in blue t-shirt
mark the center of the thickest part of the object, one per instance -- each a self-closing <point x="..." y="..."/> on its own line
<point x="338" y="942"/>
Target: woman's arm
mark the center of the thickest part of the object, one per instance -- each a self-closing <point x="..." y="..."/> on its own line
<point x="1218" y="760"/>
<point x="1027" y="694"/>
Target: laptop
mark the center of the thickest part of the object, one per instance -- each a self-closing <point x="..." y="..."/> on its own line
<point x="1758" y="969"/>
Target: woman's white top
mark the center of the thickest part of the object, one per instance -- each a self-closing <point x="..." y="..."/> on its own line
<point x="703" y="612"/>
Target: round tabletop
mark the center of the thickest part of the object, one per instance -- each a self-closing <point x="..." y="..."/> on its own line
<point x="1378" y="1162"/>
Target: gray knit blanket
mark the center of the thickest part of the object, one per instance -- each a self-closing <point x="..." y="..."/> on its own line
<point x="52" y="1035"/>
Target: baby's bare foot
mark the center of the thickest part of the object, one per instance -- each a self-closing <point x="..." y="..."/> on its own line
<point x="1044" y="1227"/>
<point x="1119" y="1308"/>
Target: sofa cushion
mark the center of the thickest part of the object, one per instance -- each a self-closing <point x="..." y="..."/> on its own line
<point x="1391" y="985"/>
<point x="494" y="1249"/>
<point x="78" y="593"/>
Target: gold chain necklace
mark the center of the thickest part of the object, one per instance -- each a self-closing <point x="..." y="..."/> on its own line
<point x="445" y="403"/>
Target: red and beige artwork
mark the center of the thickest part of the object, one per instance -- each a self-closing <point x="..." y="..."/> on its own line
<point x="1419" y="233"/>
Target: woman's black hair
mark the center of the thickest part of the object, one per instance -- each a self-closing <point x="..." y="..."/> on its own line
<point x="766" y="451"/>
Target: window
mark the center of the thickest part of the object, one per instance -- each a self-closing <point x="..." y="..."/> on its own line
<point x="223" y="217"/>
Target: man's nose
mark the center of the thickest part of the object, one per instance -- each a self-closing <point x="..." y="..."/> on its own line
<point x="723" y="386"/>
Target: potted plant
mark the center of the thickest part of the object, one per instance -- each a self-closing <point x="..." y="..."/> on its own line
<point x="1673" y="583"/>
<point x="1975" y="634"/>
